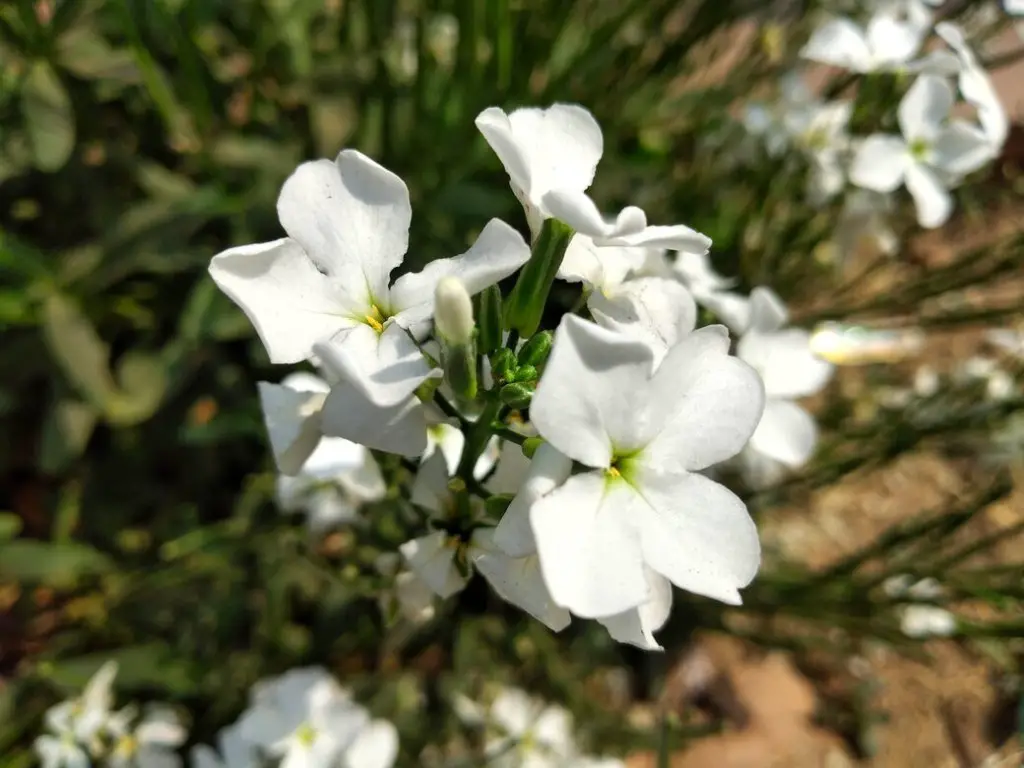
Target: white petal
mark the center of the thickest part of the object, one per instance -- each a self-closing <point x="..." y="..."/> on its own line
<point x="449" y="440"/>
<point x="400" y="429"/>
<point x="293" y="424"/>
<point x="511" y="150"/>
<point x="841" y="43"/>
<point x="696" y="273"/>
<point x="302" y="381"/>
<point x="767" y="310"/>
<point x="600" y="268"/>
<point x="512" y="471"/>
<point x="432" y="558"/>
<point x="674" y="238"/>
<point x="588" y="548"/>
<point x="430" y="488"/>
<point x="705" y="403"/>
<point x="387" y="367"/>
<point x="893" y="41"/>
<point x="880" y="163"/>
<point x="590" y="394"/>
<point x="290" y="304"/>
<point x="925" y="107"/>
<point x="376" y="746"/>
<point x="517" y="580"/>
<point x="638" y="625"/>
<point x="578" y="211"/>
<point x="548" y="470"/>
<point x="352" y="218"/>
<point x="497" y="253"/>
<point x="161" y="727"/>
<point x="363" y="483"/>
<point x="514" y="712"/>
<point x="962" y="148"/>
<point x="654" y="310"/>
<point x="562" y="143"/>
<point x="697" y="534"/>
<point x="730" y="308"/>
<point x="785" y="361"/>
<point x="932" y="200"/>
<point x="787" y="433"/>
<point x="334" y="455"/>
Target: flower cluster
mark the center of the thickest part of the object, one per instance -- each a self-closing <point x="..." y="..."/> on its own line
<point x="302" y="719"/>
<point x="567" y="466"/>
<point x="933" y="150"/>
<point x="86" y="730"/>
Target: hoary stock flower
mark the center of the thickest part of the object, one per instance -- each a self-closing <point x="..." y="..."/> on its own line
<point x="645" y="433"/>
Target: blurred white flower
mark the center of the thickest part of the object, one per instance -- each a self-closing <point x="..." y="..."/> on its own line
<point x="329" y="281"/>
<point x="932" y="152"/>
<point x="820" y="134"/>
<point x="528" y="733"/>
<point x="920" y="620"/>
<point x="305" y="719"/>
<point x="645" y="434"/>
<point x="976" y="87"/>
<point x="786" y="433"/>
<point x="148" y="743"/>
<point x="926" y="381"/>
<point x="76" y="726"/>
<point x="232" y="751"/>
<point x="550" y="156"/>
<point x="888" y="42"/>
<point x="772" y="121"/>
<point x="1008" y="340"/>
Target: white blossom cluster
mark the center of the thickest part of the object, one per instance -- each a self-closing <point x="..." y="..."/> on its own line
<point x="569" y="468"/>
<point x="934" y="149"/>
<point x="86" y="730"/>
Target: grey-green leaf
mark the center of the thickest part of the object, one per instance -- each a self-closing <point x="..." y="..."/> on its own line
<point x="49" y="118"/>
<point x="55" y="564"/>
<point x="78" y="349"/>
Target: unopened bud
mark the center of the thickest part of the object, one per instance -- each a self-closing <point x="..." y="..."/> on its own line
<point x="524" y="373"/>
<point x="535" y="352"/>
<point x="530" y="446"/>
<point x="503" y="362"/>
<point x="489" y="320"/>
<point x="453" y="311"/>
<point x="516" y="395"/>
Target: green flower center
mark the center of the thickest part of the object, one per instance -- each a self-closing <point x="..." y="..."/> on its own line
<point x="305" y="734"/>
<point x="919" y="149"/>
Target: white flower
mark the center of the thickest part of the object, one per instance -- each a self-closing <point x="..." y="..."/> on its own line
<point x="1008" y="340"/>
<point x="150" y="743"/>
<point x="932" y="151"/>
<point x="976" y="87"/>
<point x="601" y="269"/>
<point x="76" y="725"/>
<point x="637" y="626"/>
<point x="529" y="734"/>
<point x="505" y="556"/>
<point x="550" y="156"/>
<point x="888" y="42"/>
<point x="655" y="310"/>
<point x="771" y="122"/>
<point x="375" y="746"/>
<point x="820" y="132"/>
<point x="232" y="751"/>
<point x="920" y="620"/>
<point x="645" y="434"/>
<point x="304" y="718"/>
<point x="789" y="369"/>
<point x="329" y="280"/>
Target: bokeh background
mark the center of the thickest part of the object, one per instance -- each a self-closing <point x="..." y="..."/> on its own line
<point x="140" y="137"/>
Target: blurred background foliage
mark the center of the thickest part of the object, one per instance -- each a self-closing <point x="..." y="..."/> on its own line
<point x="140" y="137"/>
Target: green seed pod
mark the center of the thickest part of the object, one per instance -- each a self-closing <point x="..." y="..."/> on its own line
<point x="535" y="352"/>
<point x="503" y="363"/>
<point x="524" y="373"/>
<point x="489" y="320"/>
<point x="516" y="395"/>
<point x="526" y="303"/>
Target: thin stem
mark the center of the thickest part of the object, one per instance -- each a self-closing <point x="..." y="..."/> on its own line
<point x="512" y="340"/>
<point x="447" y="408"/>
<point x="507" y="434"/>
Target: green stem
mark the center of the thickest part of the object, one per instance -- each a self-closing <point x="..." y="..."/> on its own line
<point x="507" y="434"/>
<point x="476" y="439"/>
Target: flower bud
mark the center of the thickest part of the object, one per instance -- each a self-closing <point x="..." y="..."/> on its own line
<point x="530" y="446"/>
<point x="524" y="373"/>
<point x="460" y="369"/>
<point x="503" y="362"/>
<point x="516" y="395"/>
<point x="535" y="352"/>
<point x="453" y="311"/>
<point x="489" y="317"/>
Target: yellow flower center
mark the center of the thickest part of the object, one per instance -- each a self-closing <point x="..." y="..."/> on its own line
<point x="375" y="319"/>
<point x="306" y="735"/>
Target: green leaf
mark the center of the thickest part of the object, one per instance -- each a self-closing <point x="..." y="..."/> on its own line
<point x="10" y="526"/>
<point x="87" y="55"/>
<point x="78" y="349"/>
<point x="49" y="119"/>
<point x="138" y="666"/>
<point x="143" y="384"/>
<point x="54" y="564"/>
<point x="67" y="430"/>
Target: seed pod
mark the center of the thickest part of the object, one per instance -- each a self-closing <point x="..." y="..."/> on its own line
<point x="489" y="320"/>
